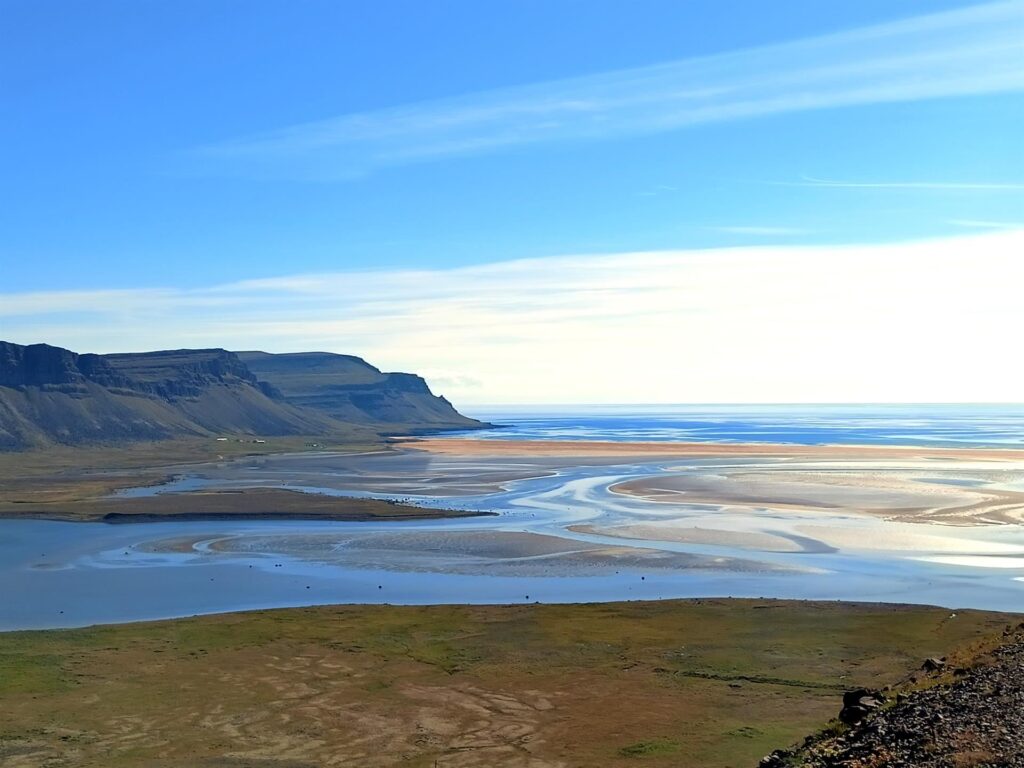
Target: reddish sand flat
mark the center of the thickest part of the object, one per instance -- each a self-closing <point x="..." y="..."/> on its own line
<point x="471" y="447"/>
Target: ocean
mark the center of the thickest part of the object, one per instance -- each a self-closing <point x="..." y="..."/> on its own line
<point x="977" y="425"/>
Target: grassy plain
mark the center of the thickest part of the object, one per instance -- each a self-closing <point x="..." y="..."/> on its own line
<point x="58" y="461"/>
<point x="708" y="683"/>
<point x="245" y="503"/>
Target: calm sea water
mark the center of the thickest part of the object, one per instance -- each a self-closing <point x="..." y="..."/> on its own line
<point x="1000" y="426"/>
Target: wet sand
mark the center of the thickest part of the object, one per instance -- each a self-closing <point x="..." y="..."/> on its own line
<point x="898" y="539"/>
<point x="765" y="489"/>
<point x="575" y="522"/>
<point x="948" y="486"/>
<point x="577" y="448"/>
<point x="695" y="534"/>
<point x="472" y="552"/>
<point x="901" y="493"/>
<point x="953" y="486"/>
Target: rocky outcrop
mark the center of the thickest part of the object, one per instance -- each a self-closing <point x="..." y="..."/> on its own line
<point x="41" y="365"/>
<point x="860" y="703"/>
<point x="964" y="717"/>
<point x="186" y="372"/>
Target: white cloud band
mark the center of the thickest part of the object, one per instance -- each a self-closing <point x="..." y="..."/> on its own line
<point x="926" y="321"/>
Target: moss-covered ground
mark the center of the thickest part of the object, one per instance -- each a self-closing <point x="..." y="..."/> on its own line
<point x="676" y="683"/>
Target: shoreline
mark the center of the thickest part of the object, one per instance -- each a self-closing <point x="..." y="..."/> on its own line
<point x="641" y="604"/>
<point x="458" y="446"/>
<point x="90" y="493"/>
<point x="698" y="549"/>
<point x="252" y="504"/>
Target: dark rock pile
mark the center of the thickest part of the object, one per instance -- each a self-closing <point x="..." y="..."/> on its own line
<point x="974" y="721"/>
<point x="859" y="704"/>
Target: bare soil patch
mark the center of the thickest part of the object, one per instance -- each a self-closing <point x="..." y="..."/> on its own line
<point x="677" y="683"/>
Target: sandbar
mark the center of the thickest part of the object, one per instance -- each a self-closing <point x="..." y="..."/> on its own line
<point x="476" y="447"/>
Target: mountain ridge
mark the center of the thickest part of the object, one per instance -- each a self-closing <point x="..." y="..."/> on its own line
<point x="51" y="395"/>
<point x="352" y="390"/>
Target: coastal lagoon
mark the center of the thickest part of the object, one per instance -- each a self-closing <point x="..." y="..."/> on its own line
<point x="592" y="515"/>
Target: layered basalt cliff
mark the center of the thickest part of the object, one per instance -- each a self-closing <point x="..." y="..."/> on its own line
<point x="53" y="395"/>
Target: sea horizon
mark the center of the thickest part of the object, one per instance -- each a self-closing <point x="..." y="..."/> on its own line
<point x="949" y="424"/>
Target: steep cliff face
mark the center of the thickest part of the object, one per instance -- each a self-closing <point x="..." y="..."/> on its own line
<point x="52" y="395"/>
<point x="350" y="389"/>
<point x="40" y="365"/>
<point x="183" y="373"/>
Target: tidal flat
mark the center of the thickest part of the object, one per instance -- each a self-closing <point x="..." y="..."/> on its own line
<point x="561" y="523"/>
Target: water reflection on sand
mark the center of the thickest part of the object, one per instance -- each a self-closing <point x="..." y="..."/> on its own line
<point x="594" y="527"/>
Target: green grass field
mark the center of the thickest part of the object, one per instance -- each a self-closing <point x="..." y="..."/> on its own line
<point x="676" y="683"/>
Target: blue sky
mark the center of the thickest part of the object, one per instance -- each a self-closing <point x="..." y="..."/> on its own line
<point x="159" y="148"/>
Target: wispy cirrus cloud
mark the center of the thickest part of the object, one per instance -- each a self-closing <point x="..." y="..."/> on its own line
<point x="984" y="224"/>
<point x="969" y="186"/>
<point x="973" y="50"/>
<point x="760" y="231"/>
<point x="904" y="321"/>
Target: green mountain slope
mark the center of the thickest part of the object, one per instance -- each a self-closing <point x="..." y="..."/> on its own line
<point x="52" y="395"/>
<point x="351" y="390"/>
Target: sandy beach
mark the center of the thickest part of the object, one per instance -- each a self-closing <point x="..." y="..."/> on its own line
<point x="474" y="447"/>
<point x="901" y="493"/>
